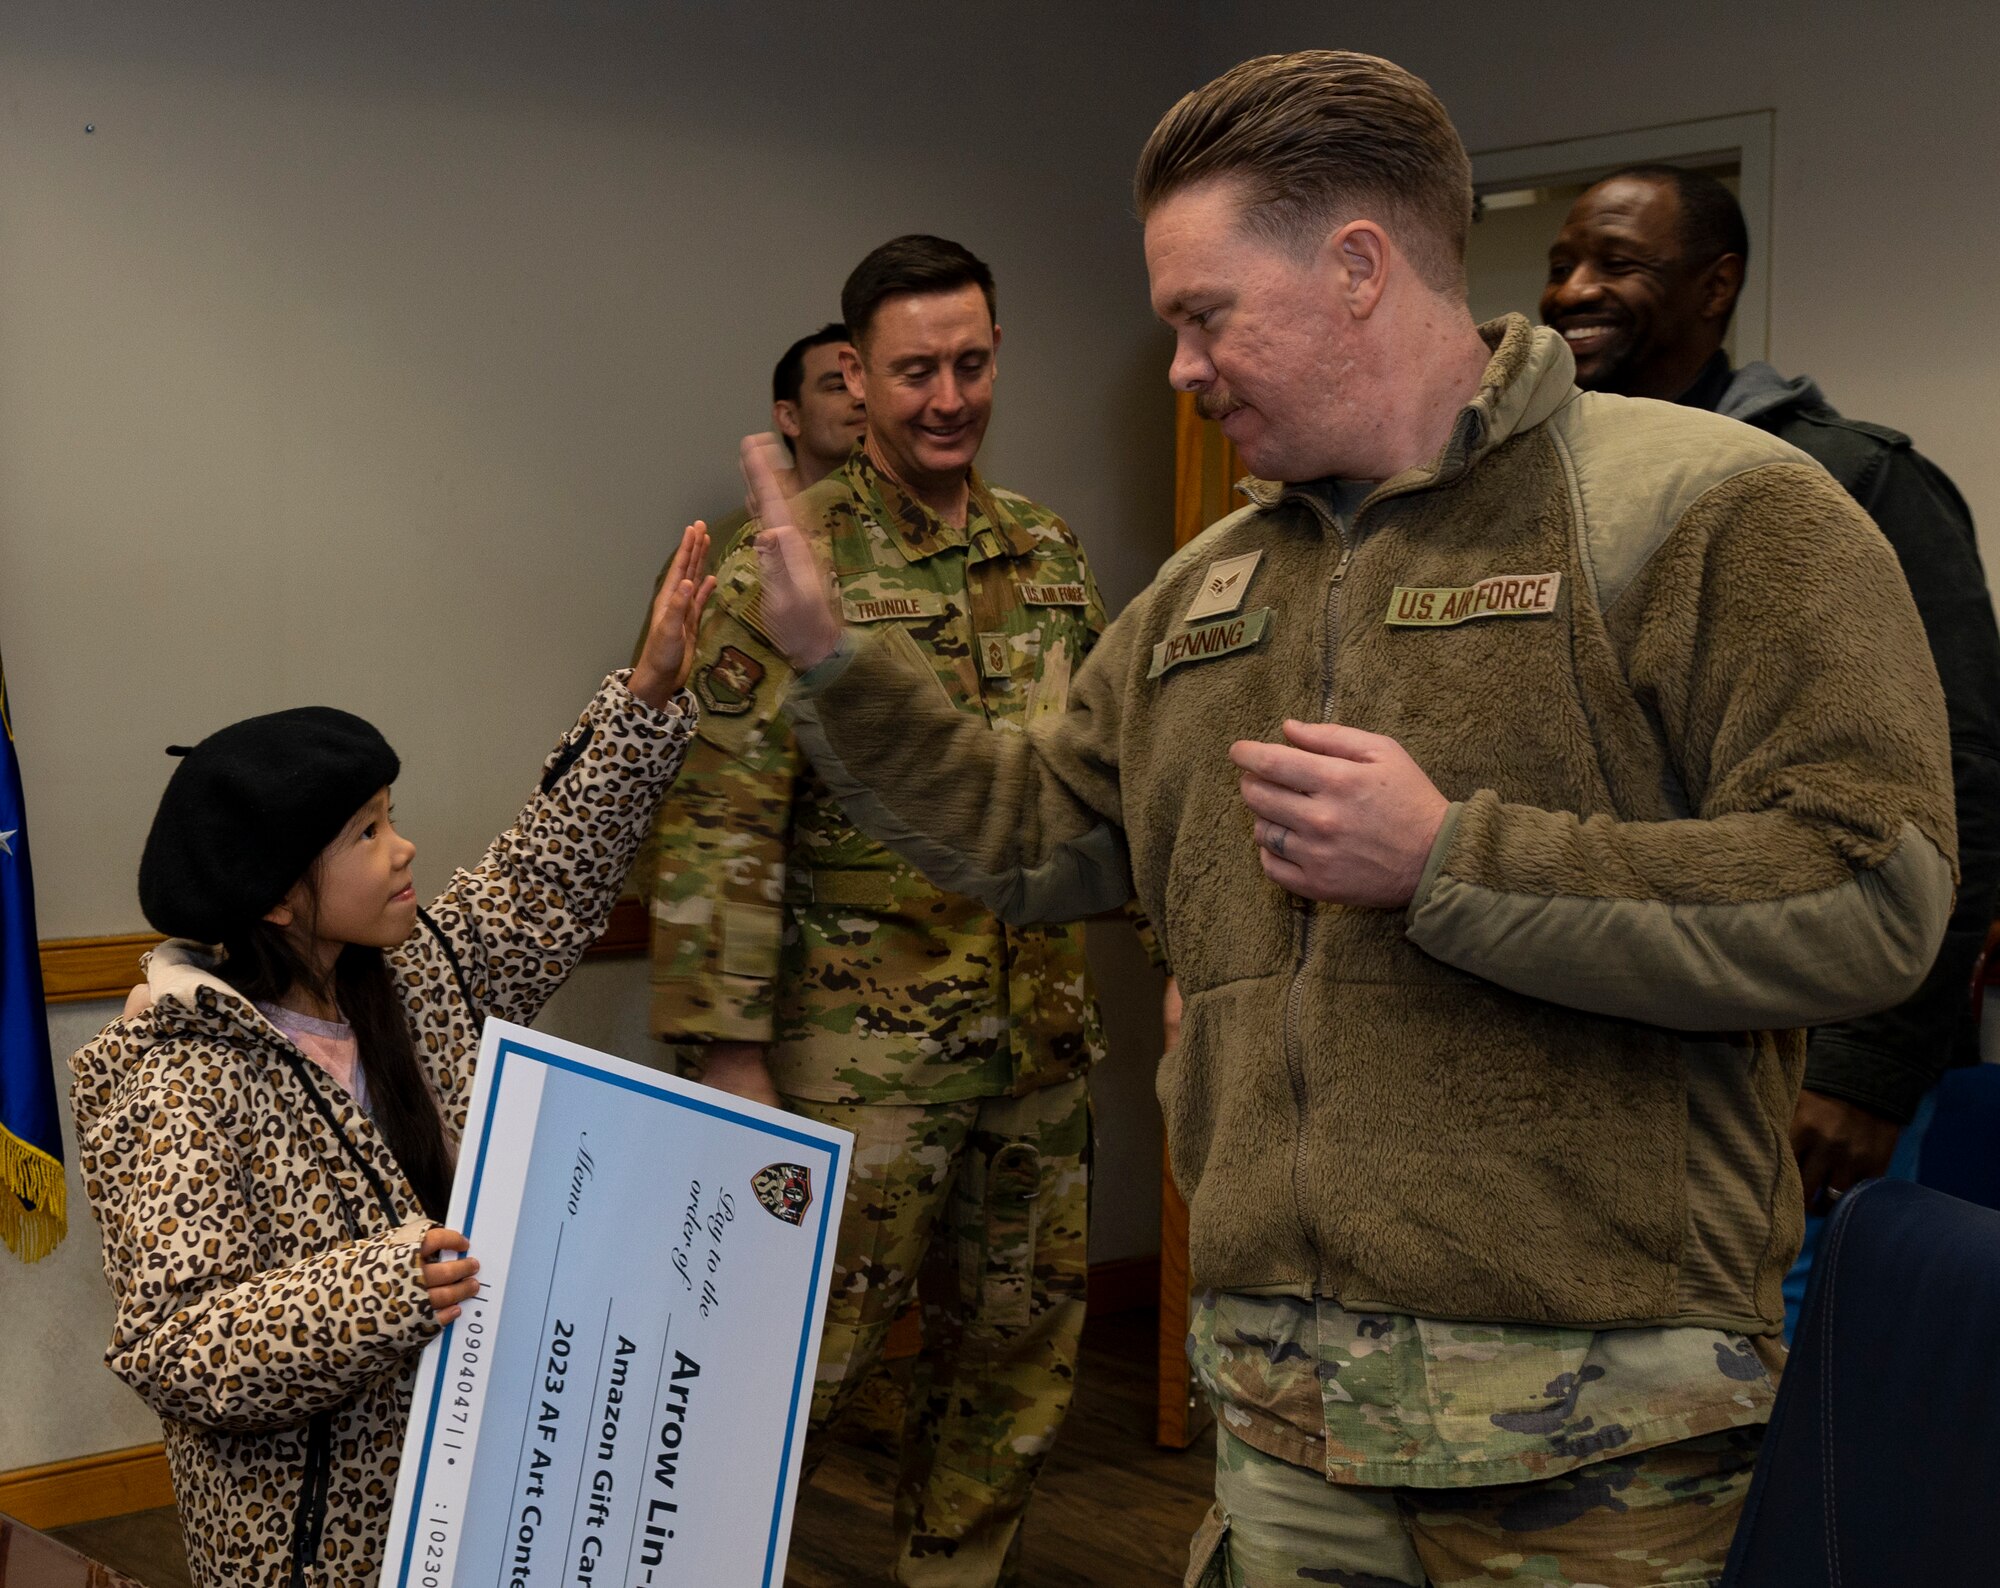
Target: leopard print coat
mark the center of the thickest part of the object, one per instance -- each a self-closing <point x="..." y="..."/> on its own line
<point x="259" y="1236"/>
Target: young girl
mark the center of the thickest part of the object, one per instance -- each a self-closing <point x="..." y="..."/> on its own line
<point x="267" y="1133"/>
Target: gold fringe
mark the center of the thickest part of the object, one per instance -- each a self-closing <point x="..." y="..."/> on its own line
<point x="29" y="1175"/>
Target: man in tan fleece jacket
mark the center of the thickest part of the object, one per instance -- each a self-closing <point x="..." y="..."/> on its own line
<point x="1511" y="781"/>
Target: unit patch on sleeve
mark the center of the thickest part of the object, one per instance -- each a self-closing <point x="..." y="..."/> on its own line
<point x="1526" y="595"/>
<point x="1223" y="587"/>
<point x="1054" y="595"/>
<point x="728" y="685"/>
<point x="1208" y="640"/>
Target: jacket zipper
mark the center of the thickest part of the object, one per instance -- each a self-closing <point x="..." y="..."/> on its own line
<point x="1305" y="910"/>
<point x="316" y="1484"/>
<point x="310" y="1519"/>
<point x="383" y="1200"/>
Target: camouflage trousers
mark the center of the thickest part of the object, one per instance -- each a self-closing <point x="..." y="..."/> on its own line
<point x="980" y="1208"/>
<point x="1663" y="1516"/>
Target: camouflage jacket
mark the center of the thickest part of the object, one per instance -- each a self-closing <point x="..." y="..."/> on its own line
<point x="1385" y="1399"/>
<point x="774" y="920"/>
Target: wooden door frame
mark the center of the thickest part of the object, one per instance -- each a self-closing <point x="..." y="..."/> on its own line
<point x="1206" y="469"/>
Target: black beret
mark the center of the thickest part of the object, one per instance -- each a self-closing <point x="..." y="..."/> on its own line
<point x="247" y="812"/>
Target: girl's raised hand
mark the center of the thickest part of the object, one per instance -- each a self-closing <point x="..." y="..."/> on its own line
<point x="452" y="1282"/>
<point x="668" y="654"/>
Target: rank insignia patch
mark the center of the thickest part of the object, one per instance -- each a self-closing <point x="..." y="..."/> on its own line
<point x="728" y="685"/>
<point x="785" y="1190"/>
<point x="1223" y="587"/>
<point x="993" y="656"/>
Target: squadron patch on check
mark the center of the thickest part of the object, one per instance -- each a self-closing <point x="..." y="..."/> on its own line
<point x="728" y="685"/>
<point x="1524" y="595"/>
<point x="784" y="1189"/>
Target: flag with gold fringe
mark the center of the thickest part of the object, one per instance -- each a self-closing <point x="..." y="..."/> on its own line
<point x="33" y="1204"/>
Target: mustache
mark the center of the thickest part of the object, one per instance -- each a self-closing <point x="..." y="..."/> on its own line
<point x="1213" y="405"/>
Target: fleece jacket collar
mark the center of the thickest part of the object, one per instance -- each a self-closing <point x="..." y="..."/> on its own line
<point x="190" y="999"/>
<point x="1530" y="376"/>
<point x="190" y="1003"/>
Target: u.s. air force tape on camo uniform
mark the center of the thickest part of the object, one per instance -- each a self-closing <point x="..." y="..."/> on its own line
<point x="955" y="1046"/>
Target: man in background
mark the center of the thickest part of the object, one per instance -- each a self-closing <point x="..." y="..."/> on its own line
<point x="819" y="418"/>
<point x="800" y="963"/>
<point x="1643" y="280"/>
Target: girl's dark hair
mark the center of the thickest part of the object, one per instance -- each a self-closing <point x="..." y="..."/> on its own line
<point x="263" y="964"/>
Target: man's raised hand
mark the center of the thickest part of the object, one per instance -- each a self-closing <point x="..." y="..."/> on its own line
<point x="1342" y="815"/>
<point x="795" y="599"/>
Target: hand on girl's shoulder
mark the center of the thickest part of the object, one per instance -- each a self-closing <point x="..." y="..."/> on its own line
<point x="137" y="1001"/>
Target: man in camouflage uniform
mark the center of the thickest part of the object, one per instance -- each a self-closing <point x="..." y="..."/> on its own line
<point x="818" y="418"/>
<point x="796" y="961"/>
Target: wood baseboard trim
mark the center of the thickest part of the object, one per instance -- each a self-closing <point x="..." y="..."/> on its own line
<point x="78" y="968"/>
<point x="89" y="1488"/>
<point x="1125" y="1284"/>
<point x="75" y="969"/>
<point x="118" y="1482"/>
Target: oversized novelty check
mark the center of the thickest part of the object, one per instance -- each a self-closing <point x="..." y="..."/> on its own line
<point x="624" y="1402"/>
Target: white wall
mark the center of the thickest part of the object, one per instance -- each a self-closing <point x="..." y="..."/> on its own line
<point x="375" y="354"/>
<point x="60" y="1399"/>
<point x="1886" y="233"/>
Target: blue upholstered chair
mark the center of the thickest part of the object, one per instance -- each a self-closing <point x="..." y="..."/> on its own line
<point x="1961" y="1152"/>
<point x="1881" y="1467"/>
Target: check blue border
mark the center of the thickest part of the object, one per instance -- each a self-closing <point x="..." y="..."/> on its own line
<point x="555" y="1061"/>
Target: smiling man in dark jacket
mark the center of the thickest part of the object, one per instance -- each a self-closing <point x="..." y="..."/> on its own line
<point x="1642" y="281"/>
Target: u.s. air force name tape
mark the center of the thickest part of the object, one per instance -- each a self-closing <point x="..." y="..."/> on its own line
<point x="1524" y="595"/>
<point x="1209" y="640"/>
<point x="1054" y="595"/>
